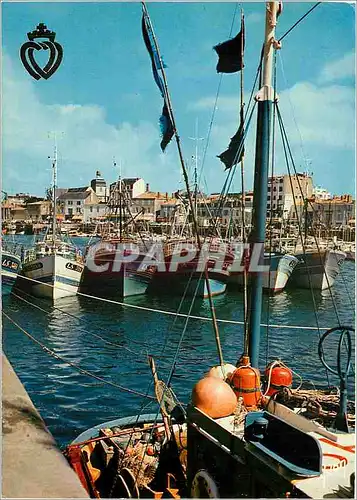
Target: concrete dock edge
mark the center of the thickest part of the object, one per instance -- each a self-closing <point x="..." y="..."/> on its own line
<point x="32" y="464"/>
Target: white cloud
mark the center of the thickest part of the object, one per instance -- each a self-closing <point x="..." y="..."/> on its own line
<point x="254" y="17"/>
<point x="339" y="70"/>
<point x="88" y="142"/>
<point x="224" y="103"/>
<point x="324" y="115"/>
<point x="319" y="121"/>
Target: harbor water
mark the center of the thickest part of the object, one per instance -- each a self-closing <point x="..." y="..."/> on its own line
<point x="90" y="354"/>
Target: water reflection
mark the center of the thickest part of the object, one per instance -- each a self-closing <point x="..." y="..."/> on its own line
<point x="112" y="341"/>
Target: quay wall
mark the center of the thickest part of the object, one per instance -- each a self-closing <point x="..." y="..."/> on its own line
<point x="32" y="465"/>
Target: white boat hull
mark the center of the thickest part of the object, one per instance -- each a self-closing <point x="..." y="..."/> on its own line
<point x="317" y="270"/>
<point x="281" y="268"/>
<point x="54" y="277"/>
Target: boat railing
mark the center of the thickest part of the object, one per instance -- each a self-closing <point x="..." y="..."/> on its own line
<point x="14" y="248"/>
<point x="29" y="255"/>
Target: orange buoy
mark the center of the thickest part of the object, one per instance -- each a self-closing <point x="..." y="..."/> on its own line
<point x="246" y="384"/>
<point x="277" y="376"/>
<point x="214" y="397"/>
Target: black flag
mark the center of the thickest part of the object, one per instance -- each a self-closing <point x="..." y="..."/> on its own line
<point x="235" y="151"/>
<point x="167" y="129"/>
<point x="230" y="58"/>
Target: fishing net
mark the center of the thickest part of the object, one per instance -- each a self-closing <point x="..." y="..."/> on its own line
<point x="318" y="404"/>
<point x="142" y="466"/>
<point x="166" y="397"/>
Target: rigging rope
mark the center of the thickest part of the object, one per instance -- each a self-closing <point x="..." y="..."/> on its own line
<point x="215" y="104"/>
<point x="299" y="21"/>
<point x="74" y="365"/>
<point x="173" y="313"/>
<point x="284" y="134"/>
<point x="315" y="212"/>
<point x="286" y="147"/>
<point x="82" y="329"/>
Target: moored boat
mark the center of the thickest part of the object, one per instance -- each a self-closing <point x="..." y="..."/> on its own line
<point x="10" y="267"/>
<point x="113" y="266"/>
<point x="279" y="269"/>
<point x="181" y="271"/>
<point x="51" y="270"/>
<point x="109" y="273"/>
<point x="317" y="269"/>
<point x="350" y="251"/>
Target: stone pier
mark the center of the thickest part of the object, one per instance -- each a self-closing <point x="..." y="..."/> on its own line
<point x="32" y="464"/>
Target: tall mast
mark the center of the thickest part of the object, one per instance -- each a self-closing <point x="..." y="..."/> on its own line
<point x="119" y="194"/>
<point x="265" y="98"/>
<point x="120" y="205"/>
<point x="54" y="181"/>
<point x="244" y="235"/>
<point x="196" y="139"/>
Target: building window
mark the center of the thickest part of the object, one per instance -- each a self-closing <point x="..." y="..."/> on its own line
<point x="91" y="209"/>
<point x="280" y="188"/>
<point x="274" y="188"/>
<point x="268" y="198"/>
<point x="70" y="202"/>
<point x="268" y="188"/>
<point x="78" y="202"/>
<point x="97" y="210"/>
<point x="268" y="206"/>
<point x="78" y="210"/>
<point x="280" y="197"/>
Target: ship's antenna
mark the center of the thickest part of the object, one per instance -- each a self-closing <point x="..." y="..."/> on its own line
<point x="196" y="158"/>
<point x="54" y="160"/>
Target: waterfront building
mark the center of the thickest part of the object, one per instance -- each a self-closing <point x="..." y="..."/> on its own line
<point x="326" y="214"/>
<point x="131" y="188"/>
<point x="334" y="212"/>
<point x="72" y="202"/>
<point x="320" y="193"/>
<point x="99" y="186"/>
<point x="39" y="210"/>
<point x="149" y="204"/>
<point x="172" y="211"/>
<point x="226" y="213"/>
<point x="285" y="191"/>
<point x="94" y="212"/>
<point x="6" y="208"/>
<point x="17" y="199"/>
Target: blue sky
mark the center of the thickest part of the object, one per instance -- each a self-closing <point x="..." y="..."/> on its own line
<point x="103" y="101"/>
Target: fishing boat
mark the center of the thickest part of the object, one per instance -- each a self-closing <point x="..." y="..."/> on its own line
<point x="10" y="267"/>
<point x="182" y="269"/>
<point x="279" y="269"/>
<point x="241" y="435"/>
<point x="317" y="269"/>
<point x="350" y="251"/>
<point x="51" y="269"/>
<point x="114" y="265"/>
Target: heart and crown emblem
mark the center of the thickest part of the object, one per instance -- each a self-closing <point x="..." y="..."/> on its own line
<point x="28" y="48"/>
